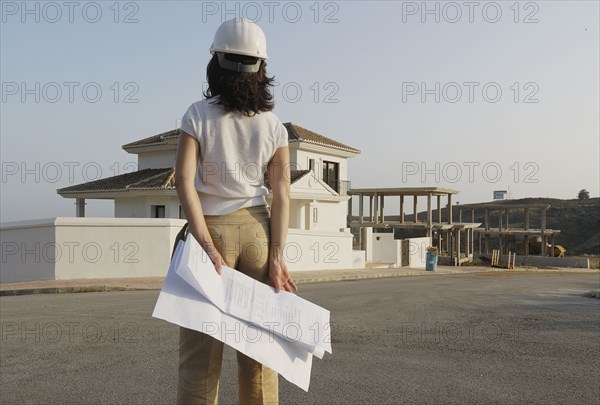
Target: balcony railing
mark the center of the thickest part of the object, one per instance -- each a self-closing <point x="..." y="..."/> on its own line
<point x="341" y="186"/>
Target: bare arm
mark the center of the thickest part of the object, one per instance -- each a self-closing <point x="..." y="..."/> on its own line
<point x="185" y="172"/>
<point x="279" y="178"/>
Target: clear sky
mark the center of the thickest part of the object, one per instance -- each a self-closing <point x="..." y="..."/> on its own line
<point x="477" y="96"/>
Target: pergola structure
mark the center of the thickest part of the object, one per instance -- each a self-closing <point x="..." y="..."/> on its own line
<point x="446" y="235"/>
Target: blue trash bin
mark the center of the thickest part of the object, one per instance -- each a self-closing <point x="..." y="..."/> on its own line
<point x="431" y="262"/>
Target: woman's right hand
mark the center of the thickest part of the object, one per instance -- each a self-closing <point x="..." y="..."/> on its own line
<point x="280" y="278"/>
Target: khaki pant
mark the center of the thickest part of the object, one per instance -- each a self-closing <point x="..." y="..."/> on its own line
<point x="241" y="238"/>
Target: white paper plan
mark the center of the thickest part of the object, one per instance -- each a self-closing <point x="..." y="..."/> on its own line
<point x="181" y="303"/>
<point x="236" y="294"/>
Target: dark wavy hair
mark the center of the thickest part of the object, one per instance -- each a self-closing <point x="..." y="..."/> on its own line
<point x="248" y="93"/>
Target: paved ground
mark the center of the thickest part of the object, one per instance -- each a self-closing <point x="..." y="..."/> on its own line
<point x="301" y="277"/>
<point x="458" y="338"/>
<point x="155" y="283"/>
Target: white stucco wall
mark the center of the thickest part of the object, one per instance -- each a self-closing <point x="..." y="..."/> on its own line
<point x="76" y="248"/>
<point x="141" y="207"/>
<point x="318" y="215"/>
<point x="417" y="249"/>
<point x="330" y="215"/>
<point x="383" y="248"/>
<point x="134" y="207"/>
<point x="359" y="259"/>
<point x="171" y="204"/>
<point x="302" y="157"/>
<point x="366" y="236"/>
<point x="317" y="250"/>
<point x="386" y="249"/>
<point x="28" y="250"/>
<point x="297" y="214"/>
<point x="120" y="248"/>
<point x="79" y="248"/>
<point x="156" y="159"/>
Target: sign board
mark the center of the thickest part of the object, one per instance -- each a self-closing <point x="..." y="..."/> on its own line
<point x="499" y="194"/>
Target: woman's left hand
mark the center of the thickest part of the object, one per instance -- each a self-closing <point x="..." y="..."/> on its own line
<point x="215" y="257"/>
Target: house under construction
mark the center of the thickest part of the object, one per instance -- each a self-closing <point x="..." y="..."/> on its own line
<point x="526" y="236"/>
<point x="454" y="240"/>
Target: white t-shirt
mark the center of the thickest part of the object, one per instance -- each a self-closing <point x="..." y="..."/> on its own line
<point x="234" y="152"/>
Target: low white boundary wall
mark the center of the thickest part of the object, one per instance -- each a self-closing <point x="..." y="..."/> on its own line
<point x="28" y="252"/>
<point x="383" y="248"/>
<point x="77" y="248"/>
<point x="318" y="250"/>
<point x="386" y="249"/>
<point x="417" y="251"/>
<point x="72" y="248"/>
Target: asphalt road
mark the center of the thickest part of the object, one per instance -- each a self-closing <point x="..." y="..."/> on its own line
<point x="478" y="338"/>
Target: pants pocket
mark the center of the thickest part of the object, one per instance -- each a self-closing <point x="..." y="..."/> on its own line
<point x="254" y="257"/>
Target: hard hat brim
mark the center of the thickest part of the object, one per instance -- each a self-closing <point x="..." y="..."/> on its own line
<point x="234" y="52"/>
<point x="237" y="66"/>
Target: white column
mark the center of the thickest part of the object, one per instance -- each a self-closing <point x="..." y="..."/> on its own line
<point x="449" y="210"/>
<point x="401" y="209"/>
<point x="360" y="208"/>
<point x="429" y="215"/>
<point x="458" y="247"/>
<point x="376" y="208"/>
<point x="80" y="207"/>
<point x="415" y="215"/>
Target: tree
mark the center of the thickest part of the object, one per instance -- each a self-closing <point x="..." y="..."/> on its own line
<point x="583" y="194"/>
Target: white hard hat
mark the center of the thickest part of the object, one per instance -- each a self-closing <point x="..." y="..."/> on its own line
<point x="239" y="36"/>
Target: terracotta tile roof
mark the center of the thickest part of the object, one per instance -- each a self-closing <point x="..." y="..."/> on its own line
<point x="295" y="134"/>
<point x="160" y="139"/>
<point x="146" y="179"/>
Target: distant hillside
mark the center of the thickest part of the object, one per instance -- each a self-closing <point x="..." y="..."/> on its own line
<point x="578" y="221"/>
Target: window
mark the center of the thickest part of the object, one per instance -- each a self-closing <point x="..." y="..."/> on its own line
<point x="311" y="164"/>
<point x="330" y="174"/>
<point x="158" y="211"/>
